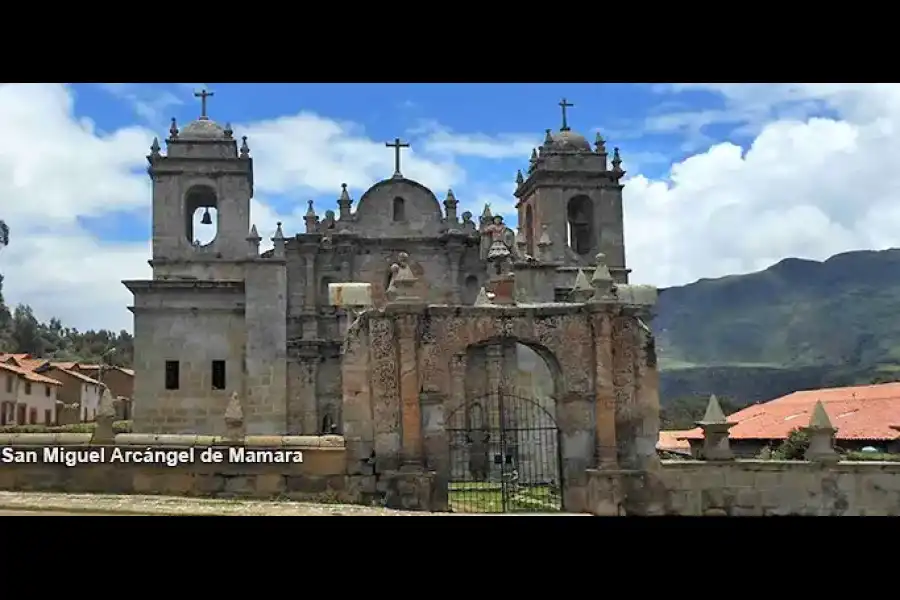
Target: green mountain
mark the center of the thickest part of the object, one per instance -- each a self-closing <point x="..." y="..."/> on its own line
<point x="799" y="324"/>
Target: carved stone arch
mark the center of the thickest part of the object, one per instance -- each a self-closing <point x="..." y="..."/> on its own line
<point x="200" y="194"/>
<point x="377" y="210"/>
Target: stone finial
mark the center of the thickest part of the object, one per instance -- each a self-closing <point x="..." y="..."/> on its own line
<point x="311" y="219"/>
<point x="602" y="280"/>
<point x="520" y="179"/>
<point x="532" y="162"/>
<point x="599" y="144"/>
<point x="821" y="434"/>
<point x="548" y="138"/>
<point x="279" y="241"/>
<point x="106" y="414"/>
<point x="486" y="215"/>
<point x="482" y="299"/>
<point x="545" y="244"/>
<point x="344" y="203"/>
<point x="173" y="130"/>
<point x="450" y="204"/>
<point x="715" y="432"/>
<point x="521" y="240"/>
<point x="229" y="132"/>
<point x="617" y="170"/>
<point x="402" y="288"/>
<point x="245" y="149"/>
<point x="253" y="240"/>
<point x="234" y="419"/>
<point x="155" y="148"/>
<point x="582" y="291"/>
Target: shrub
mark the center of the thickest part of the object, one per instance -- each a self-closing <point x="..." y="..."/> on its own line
<point x="794" y="447"/>
<point x="118" y="427"/>
<point x="872" y="456"/>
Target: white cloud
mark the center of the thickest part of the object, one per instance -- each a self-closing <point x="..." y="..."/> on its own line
<point x="805" y="187"/>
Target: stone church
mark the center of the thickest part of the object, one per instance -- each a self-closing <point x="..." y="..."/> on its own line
<point x="224" y="317"/>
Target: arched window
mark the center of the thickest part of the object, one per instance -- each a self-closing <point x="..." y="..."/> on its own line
<point x="580" y="214"/>
<point x="529" y="230"/>
<point x="201" y="216"/>
<point x="399" y="209"/>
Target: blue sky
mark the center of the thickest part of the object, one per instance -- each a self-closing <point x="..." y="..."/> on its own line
<point x="386" y="111"/>
<point x="722" y="178"/>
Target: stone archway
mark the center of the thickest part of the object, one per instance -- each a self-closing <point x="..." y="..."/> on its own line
<point x="504" y="448"/>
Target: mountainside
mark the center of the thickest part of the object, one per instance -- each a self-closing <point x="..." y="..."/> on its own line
<point x="798" y="324"/>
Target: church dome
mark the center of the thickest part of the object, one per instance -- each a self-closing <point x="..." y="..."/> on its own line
<point x="569" y="141"/>
<point x="203" y="129"/>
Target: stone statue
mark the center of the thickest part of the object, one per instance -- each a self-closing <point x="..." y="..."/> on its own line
<point x="502" y="245"/>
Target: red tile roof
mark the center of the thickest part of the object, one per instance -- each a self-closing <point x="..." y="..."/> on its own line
<point x="26" y="361"/>
<point x="672" y="441"/>
<point x="858" y="413"/>
<point x="27" y="375"/>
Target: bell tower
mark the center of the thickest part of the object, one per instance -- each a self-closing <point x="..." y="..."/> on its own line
<point x="204" y="180"/>
<point x="573" y="194"/>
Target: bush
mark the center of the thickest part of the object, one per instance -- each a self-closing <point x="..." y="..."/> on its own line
<point x="871" y="456"/>
<point x="794" y="447"/>
<point x="118" y="427"/>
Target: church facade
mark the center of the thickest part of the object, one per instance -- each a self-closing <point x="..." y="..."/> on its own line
<point x="223" y="317"/>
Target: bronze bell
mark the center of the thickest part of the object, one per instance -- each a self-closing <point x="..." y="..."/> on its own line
<point x="207" y="219"/>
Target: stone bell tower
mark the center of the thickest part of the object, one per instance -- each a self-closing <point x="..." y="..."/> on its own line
<point x="573" y="196"/>
<point x="203" y="169"/>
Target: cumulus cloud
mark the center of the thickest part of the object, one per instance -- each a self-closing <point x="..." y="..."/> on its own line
<point x="809" y="188"/>
<point x="806" y="186"/>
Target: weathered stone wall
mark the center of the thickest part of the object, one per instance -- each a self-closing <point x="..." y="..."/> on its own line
<point x="265" y="359"/>
<point x="320" y="477"/>
<point x="749" y="488"/>
<point x="168" y="326"/>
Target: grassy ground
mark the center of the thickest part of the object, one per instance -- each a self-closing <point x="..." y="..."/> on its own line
<point x="487" y="497"/>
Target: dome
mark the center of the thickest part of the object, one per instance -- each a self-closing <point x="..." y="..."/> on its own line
<point x="202" y="129"/>
<point x="569" y="141"/>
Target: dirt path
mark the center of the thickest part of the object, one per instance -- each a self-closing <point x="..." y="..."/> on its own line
<point x="44" y="504"/>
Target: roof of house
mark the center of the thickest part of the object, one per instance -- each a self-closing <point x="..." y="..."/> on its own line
<point x="671" y="441"/>
<point x="70" y="371"/>
<point x="864" y="412"/>
<point x="26" y="361"/>
<point x="93" y="367"/>
<point x="28" y="375"/>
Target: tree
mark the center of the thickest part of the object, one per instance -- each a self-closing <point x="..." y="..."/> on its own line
<point x="794" y="447"/>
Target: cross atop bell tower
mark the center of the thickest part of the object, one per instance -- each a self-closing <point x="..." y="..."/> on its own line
<point x="571" y="194"/>
<point x="203" y="95"/>
<point x="202" y="186"/>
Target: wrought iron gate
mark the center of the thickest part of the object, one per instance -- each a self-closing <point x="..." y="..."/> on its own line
<point x="504" y="455"/>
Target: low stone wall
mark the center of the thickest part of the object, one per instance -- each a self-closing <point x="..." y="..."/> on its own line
<point x="749" y="488"/>
<point x="320" y="477"/>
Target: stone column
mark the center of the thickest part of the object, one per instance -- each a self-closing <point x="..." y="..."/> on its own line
<point x="454" y="256"/>
<point x="410" y="409"/>
<point x="310" y="322"/>
<point x="309" y="374"/>
<point x="605" y="395"/>
<point x="646" y="392"/>
<point x="628" y="418"/>
<point x="455" y="412"/>
<point x="494" y="366"/>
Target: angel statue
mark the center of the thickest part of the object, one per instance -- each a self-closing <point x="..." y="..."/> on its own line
<point x="502" y="248"/>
